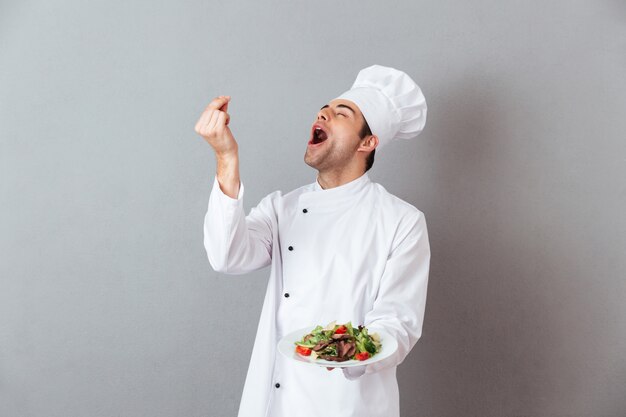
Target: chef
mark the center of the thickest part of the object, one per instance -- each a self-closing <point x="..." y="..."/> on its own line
<point x="341" y="248"/>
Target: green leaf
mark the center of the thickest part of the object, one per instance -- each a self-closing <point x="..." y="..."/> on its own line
<point x="369" y="346"/>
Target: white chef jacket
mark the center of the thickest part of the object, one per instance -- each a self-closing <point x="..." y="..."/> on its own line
<point x="350" y="253"/>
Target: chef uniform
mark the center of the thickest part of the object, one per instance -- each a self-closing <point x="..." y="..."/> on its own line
<point x="350" y="253"/>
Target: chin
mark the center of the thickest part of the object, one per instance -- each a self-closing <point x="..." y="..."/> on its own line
<point x="309" y="163"/>
<point x="307" y="160"/>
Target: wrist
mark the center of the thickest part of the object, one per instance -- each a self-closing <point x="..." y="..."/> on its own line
<point x="227" y="157"/>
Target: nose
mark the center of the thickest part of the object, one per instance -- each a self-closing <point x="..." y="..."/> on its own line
<point x="322" y="114"/>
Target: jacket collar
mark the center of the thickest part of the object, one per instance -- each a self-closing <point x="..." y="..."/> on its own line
<point x="335" y="197"/>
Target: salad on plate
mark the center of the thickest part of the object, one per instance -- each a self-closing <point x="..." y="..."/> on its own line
<point x="339" y="343"/>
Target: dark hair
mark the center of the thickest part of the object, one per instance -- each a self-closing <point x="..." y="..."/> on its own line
<point x="365" y="132"/>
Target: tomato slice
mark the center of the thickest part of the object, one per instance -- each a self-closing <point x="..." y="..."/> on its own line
<point x="362" y="356"/>
<point x="341" y="330"/>
<point x="304" y="351"/>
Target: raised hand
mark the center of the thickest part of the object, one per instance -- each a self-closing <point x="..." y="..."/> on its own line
<point x="213" y="127"/>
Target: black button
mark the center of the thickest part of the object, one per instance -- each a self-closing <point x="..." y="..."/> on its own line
<point x="290" y="248"/>
<point x="305" y="210"/>
<point x="277" y="385"/>
<point x="286" y="295"/>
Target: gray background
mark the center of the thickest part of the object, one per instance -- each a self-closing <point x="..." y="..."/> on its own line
<point x="108" y="305"/>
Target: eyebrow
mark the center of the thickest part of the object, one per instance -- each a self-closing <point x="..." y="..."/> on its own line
<point x="341" y="105"/>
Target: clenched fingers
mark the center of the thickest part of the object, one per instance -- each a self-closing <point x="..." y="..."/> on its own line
<point x="212" y="122"/>
<point x="218" y="103"/>
<point x="214" y="126"/>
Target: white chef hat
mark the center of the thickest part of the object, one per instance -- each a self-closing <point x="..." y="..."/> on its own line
<point x="392" y="104"/>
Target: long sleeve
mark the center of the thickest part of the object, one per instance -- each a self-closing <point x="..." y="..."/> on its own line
<point x="236" y="243"/>
<point x="401" y="300"/>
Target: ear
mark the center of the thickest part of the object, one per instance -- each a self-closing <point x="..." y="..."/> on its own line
<point x="368" y="144"/>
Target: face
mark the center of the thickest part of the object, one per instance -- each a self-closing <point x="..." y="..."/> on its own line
<point x="340" y="122"/>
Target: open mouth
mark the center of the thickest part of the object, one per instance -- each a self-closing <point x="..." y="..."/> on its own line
<point x="319" y="136"/>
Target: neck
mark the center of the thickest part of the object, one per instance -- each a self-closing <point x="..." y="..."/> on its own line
<point x="335" y="179"/>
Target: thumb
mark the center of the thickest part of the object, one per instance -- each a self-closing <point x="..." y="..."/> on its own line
<point x="224" y="108"/>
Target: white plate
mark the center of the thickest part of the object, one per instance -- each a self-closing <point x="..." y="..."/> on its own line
<point x="287" y="348"/>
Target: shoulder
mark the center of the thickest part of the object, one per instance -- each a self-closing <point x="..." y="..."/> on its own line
<point x="405" y="221"/>
<point x="394" y="206"/>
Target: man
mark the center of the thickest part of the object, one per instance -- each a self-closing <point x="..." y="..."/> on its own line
<point x="341" y="248"/>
